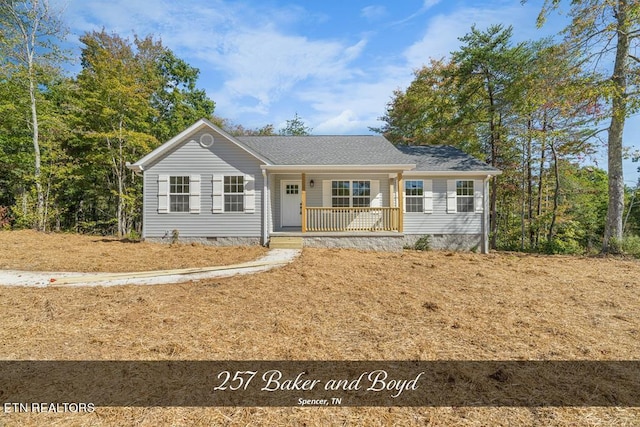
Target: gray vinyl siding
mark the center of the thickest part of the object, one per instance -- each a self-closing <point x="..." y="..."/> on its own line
<point x="190" y="158"/>
<point x="441" y="222"/>
<point x="314" y="195"/>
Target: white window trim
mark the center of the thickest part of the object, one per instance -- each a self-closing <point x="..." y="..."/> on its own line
<point x="224" y="193"/>
<point x="427" y="196"/>
<point x="164" y="194"/>
<point x="375" y="195"/>
<point x="218" y="194"/>
<point x="452" y="196"/>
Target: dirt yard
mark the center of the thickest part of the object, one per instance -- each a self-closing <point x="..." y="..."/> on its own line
<point x="326" y="305"/>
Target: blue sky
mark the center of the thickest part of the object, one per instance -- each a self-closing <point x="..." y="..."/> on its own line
<point x="335" y="63"/>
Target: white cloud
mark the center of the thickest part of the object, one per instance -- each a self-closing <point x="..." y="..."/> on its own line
<point x="259" y="66"/>
<point x="443" y="30"/>
<point x="262" y="63"/>
<point x="353" y="107"/>
<point x="248" y="47"/>
<point x="344" y="123"/>
<point x="374" y="12"/>
<point x="426" y="5"/>
<point x="266" y="65"/>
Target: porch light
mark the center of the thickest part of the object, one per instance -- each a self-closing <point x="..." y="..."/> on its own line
<point x="311" y="183"/>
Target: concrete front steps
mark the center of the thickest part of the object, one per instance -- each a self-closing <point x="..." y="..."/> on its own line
<point x="285" y="242"/>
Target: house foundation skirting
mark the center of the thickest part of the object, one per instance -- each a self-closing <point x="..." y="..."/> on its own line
<point x="211" y="241"/>
<point x="378" y="243"/>
<point x="387" y="242"/>
<point x="454" y="242"/>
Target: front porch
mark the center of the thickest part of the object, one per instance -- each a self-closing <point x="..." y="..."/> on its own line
<point x="347" y="203"/>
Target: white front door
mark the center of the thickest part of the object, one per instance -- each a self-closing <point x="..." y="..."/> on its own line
<point x="291" y="203"/>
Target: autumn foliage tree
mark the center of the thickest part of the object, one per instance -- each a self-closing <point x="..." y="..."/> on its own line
<point x="526" y="109"/>
<point x="608" y="32"/>
<point x="132" y="96"/>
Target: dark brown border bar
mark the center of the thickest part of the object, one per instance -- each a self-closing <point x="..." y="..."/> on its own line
<point x="322" y="383"/>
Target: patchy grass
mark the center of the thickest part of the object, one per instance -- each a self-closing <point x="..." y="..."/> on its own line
<point x="336" y="305"/>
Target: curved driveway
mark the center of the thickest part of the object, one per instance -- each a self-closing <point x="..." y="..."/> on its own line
<point x="273" y="258"/>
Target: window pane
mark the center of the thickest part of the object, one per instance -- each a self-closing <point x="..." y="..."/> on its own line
<point x="413" y="188"/>
<point x="179" y="194"/>
<point x="464" y="188"/>
<point x="179" y="185"/>
<point x="233" y="203"/>
<point x="340" y="202"/>
<point x="465" y="204"/>
<point x="414" y="204"/>
<point x="340" y="188"/>
<point x="361" y="189"/>
<point x="233" y="184"/>
<point x="360" y="202"/>
<point x="234" y="193"/>
<point x="179" y="203"/>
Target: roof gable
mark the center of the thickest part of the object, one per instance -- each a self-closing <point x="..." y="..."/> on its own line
<point x="182" y="137"/>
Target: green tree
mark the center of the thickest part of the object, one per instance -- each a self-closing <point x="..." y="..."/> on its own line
<point x="16" y="150"/>
<point x="176" y="99"/>
<point x="295" y="127"/>
<point x="116" y="114"/>
<point x="560" y="109"/>
<point x="239" y="130"/>
<point x="490" y="70"/>
<point x="526" y="109"/>
<point x="30" y="30"/>
<point x="598" y="29"/>
<point x="428" y="111"/>
<point x="131" y="96"/>
<point x="470" y="102"/>
<point x="632" y="216"/>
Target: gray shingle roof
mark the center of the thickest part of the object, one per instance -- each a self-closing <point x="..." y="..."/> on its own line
<point x="443" y="158"/>
<point x="325" y="150"/>
<point x="343" y="150"/>
<point x="360" y="150"/>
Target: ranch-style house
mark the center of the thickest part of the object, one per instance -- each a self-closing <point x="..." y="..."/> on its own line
<point x="322" y="191"/>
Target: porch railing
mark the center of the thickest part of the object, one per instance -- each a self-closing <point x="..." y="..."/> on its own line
<point x="352" y="219"/>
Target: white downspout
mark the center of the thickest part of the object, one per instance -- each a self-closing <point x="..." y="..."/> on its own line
<point x="265" y="207"/>
<point x="485" y="215"/>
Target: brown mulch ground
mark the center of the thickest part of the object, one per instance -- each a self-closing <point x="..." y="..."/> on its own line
<point x="331" y="304"/>
<point x="31" y="251"/>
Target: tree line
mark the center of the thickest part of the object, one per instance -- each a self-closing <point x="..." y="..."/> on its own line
<point x="536" y="110"/>
<point x="65" y="141"/>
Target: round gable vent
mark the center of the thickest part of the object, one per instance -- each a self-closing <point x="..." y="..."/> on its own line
<point x="206" y="140"/>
